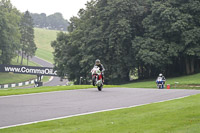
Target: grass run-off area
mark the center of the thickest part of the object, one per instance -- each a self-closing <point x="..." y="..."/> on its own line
<point x="176" y="116"/>
<point x="43" y="39"/>
<point x="6" y="78"/>
<point x="7" y="92"/>
<point x="184" y="82"/>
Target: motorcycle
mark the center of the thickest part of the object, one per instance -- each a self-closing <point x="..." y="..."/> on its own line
<point x="160" y="83"/>
<point x="97" y="78"/>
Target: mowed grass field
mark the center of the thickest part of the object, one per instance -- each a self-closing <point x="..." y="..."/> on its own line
<point x="6" y="78"/>
<point x="43" y="39"/>
<point x="176" y="116"/>
<point x="184" y="82"/>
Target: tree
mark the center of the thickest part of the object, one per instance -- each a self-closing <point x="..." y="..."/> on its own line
<point x="54" y="21"/>
<point x="171" y="37"/>
<point x="105" y="31"/>
<point x="66" y="54"/>
<point x="28" y="46"/>
<point x="40" y="20"/>
<point x="9" y="31"/>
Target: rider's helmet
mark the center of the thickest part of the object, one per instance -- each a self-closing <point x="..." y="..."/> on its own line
<point x="160" y="75"/>
<point x="97" y="62"/>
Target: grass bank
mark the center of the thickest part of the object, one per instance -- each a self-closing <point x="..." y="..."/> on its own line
<point x="177" y="116"/>
<point x="45" y="54"/>
<point x="11" y="78"/>
<point x="184" y="82"/>
<point x="46" y="89"/>
<point x="43" y="39"/>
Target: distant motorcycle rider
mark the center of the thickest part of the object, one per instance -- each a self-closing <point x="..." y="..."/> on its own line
<point x="101" y="67"/>
<point x="163" y="77"/>
<point x="160" y="80"/>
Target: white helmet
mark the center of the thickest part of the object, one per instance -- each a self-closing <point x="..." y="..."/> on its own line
<point x="160" y="75"/>
<point x="97" y="61"/>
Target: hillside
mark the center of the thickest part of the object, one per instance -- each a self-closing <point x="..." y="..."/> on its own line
<point x="43" y="40"/>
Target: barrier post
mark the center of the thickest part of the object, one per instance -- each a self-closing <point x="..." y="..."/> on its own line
<point x="176" y="84"/>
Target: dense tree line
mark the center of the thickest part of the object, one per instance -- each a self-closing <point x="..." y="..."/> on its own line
<point x="131" y="36"/>
<point x="171" y="41"/>
<point x="16" y="33"/>
<point x="53" y="22"/>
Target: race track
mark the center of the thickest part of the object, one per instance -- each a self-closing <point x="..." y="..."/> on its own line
<point x="22" y="109"/>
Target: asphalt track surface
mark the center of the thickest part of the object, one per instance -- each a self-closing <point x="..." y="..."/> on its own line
<point x="56" y="80"/>
<point x="16" y="110"/>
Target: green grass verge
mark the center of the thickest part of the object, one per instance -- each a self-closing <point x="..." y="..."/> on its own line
<point x="45" y="54"/>
<point x="7" y="78"/>
<point x="177" y="116"/>
<point x="185" y="82"/>
<point x="46" y="89"/>
<point x="43" y="39"/>
<point x="45" y="78"/>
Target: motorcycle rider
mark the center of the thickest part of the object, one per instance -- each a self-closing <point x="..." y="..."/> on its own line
<point x="163" y="78"/>
<point x="101" y="68"/>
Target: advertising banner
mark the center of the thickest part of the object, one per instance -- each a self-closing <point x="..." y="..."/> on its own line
<point x="46" y="71"/>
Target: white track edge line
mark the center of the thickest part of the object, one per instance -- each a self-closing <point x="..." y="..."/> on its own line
<point x="34" y="122"/>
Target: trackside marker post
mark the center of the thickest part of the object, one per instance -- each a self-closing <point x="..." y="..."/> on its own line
<point x="168" y="86"/>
